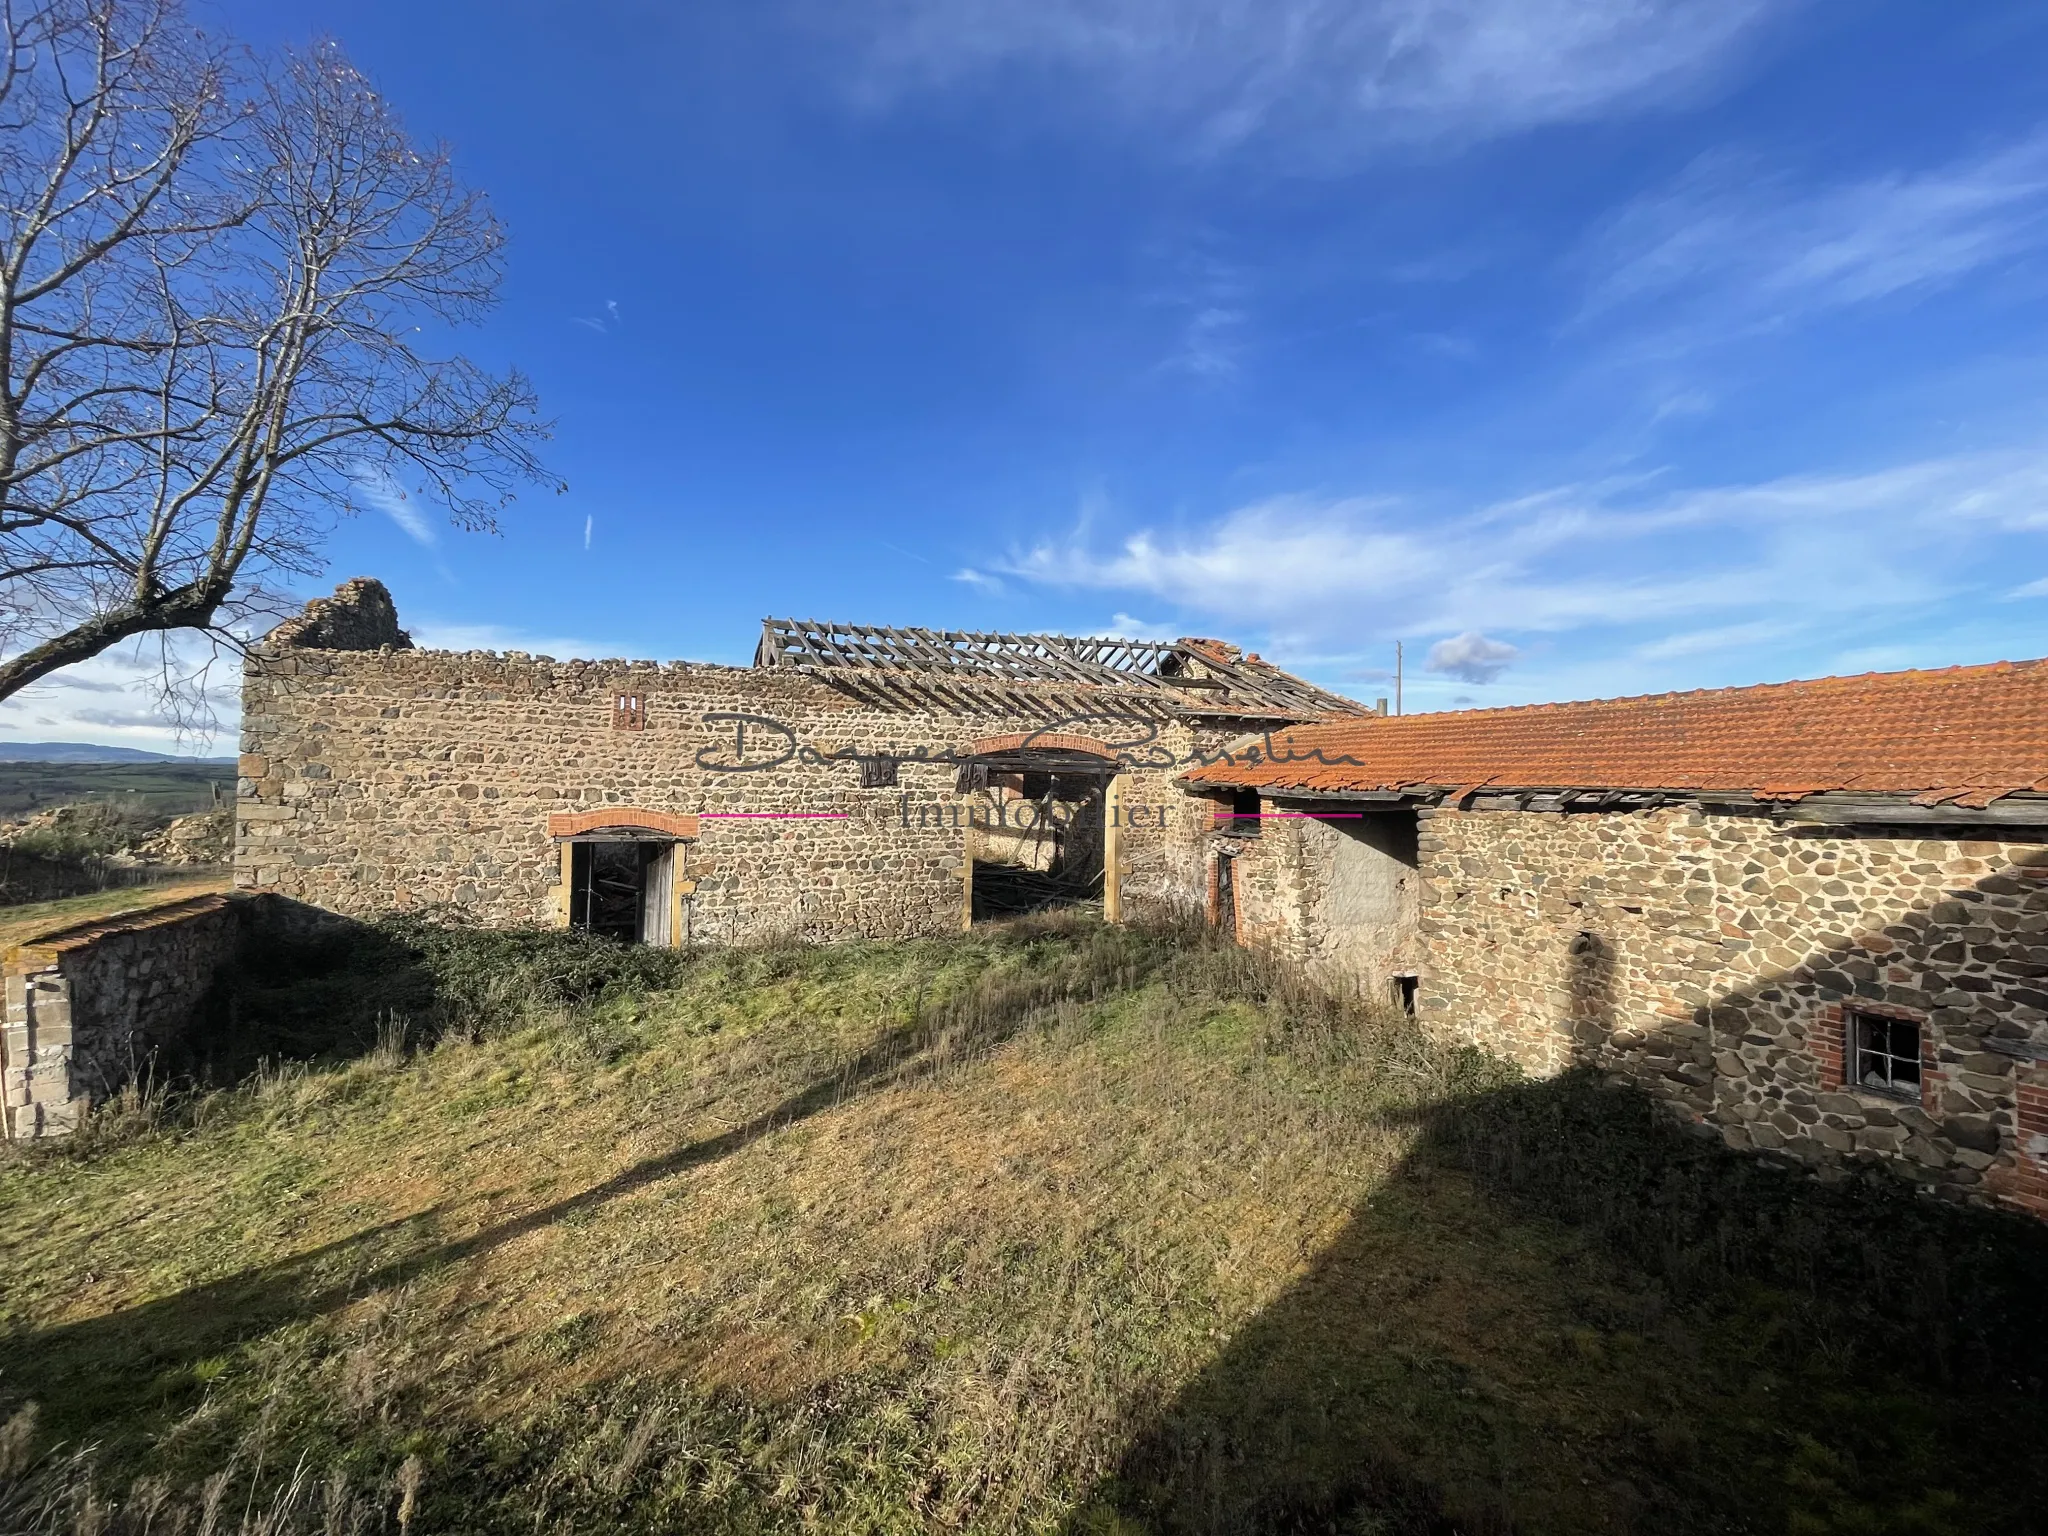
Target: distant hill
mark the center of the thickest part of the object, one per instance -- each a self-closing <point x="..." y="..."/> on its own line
<point x="86" y="752"/>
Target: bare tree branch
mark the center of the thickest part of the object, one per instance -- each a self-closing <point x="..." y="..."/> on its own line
<point x="217" y="274"/>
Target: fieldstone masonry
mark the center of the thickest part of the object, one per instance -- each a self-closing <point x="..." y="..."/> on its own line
<point x="359" y="617"/>
<point x="1713" y="958"/>
<point x="1337" y="893"/>
<point x="88" y="1006"/>
<point x="374" y="780"/>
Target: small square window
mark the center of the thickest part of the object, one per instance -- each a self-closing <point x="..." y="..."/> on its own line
<point x="1242" y="819"/>
<point x="1883" y="1055"/>
<point x="629" y="711"/>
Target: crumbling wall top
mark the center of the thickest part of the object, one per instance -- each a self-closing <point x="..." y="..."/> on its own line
<point x="359" y="617"/>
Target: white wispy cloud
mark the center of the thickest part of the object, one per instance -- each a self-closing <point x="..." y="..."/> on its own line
<point x="1723" y="637"/>
<point x="1124" y="627"/>
<point x="432" y="635"/>
<point x="1736" y="240"/>
<point x="1699" y="570"/>
<point x="981" y="581"/>
<point x="377" y="488"/>
<point x="1327" y="78"/>
<point x="1210" y="344"/>
<point x="116" y="699"/>
<point x="603" y="324"/>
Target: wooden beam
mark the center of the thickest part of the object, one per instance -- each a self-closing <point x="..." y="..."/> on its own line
<point x="970" y="846"/>
<point x="1113" y="850"/>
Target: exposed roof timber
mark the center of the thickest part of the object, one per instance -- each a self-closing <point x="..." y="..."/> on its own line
<point x="1841" y="810"/>
<point x="1017" y="665"/>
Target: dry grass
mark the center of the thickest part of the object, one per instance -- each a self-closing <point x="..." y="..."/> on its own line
<point x="1054" y="1228"/>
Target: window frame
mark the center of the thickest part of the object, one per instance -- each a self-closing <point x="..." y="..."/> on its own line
<point x="1856" y="1025"/>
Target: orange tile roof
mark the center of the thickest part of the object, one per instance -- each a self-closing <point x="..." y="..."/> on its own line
<point x="1965" y="735"/>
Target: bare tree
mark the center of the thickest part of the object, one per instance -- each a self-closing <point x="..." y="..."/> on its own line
<point x="217" y="275"/>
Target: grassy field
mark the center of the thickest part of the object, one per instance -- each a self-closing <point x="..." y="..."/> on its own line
<point x="157" y="789"/>
<point x="1048" y="1229"/>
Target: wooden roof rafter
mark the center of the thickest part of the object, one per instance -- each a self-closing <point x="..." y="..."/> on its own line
<point x="1184" y="677"/>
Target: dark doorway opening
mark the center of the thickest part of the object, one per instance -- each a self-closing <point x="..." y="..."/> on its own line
<point x="1040" y="827"/>
<point x="1223" y="908"/>
<point x="621" y="889"/>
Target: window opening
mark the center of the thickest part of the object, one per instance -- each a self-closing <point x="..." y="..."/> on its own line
<point x="1243" y="818"/>
<point x="1884" y="1055"/>
<point x="629" y="711"/>
<point x="1404" y="992"/>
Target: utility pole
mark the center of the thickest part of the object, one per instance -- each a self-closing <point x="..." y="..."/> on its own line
<point x="1397" y="677"/>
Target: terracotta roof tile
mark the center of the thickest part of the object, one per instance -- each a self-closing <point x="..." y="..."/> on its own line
<point x="1966" y="734"/>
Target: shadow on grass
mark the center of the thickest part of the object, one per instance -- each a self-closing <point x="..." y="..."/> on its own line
<point x="107" y="1374"/>
<point x="1564" y="1313"/>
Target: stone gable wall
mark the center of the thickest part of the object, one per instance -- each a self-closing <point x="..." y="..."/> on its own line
<point x="1340" y="897"/>
<point x="389" y="779"/>
<point x="1711" y="958"/>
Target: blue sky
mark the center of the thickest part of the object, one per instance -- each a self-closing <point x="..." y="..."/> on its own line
<point x="1586" y="346"/>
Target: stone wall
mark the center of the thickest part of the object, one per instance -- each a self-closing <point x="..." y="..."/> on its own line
<point x="401" y="778"/>
<point x="1336" y="890"/>
<point x="359" y="617"/>
<point x="1713" y="959"/>
<point x="87" y="1008"/>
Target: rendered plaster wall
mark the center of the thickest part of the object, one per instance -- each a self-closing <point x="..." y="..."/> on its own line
<point x="375" y="780"/>
<point x="1338" y="892"/>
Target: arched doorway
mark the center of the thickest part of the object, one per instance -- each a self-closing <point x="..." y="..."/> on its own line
<point x="624" y="873"/>
<point x="1041" y="834"/>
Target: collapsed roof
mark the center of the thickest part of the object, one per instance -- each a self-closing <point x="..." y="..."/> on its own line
<point x="1963" y="738"/>
<point x="926" y="668"/>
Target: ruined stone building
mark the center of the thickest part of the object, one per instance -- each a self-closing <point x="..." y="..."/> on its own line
<point x="853" y="781"/>
<point x="1812" y="917"/>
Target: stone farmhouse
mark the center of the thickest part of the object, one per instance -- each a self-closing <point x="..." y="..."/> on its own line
<point x="1811" y="917"/>
<point x="853" y="781"/>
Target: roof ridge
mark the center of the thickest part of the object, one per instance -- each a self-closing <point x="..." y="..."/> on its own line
<point x="1835" y="679"/>
<point x="1916" y="730"/>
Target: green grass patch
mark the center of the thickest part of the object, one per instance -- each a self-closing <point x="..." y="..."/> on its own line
<point x="1049" y="1228"/>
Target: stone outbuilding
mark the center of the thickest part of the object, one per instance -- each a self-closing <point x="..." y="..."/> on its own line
<point x="855" y="780"/>
<point x="1812" y="917"/>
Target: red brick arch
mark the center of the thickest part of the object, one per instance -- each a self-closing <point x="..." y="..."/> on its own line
<point x="575" y="823"/>
<point x="1051" y="741"/>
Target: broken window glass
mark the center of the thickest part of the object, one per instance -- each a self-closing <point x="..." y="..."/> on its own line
<point x="1884" y="1055"/>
